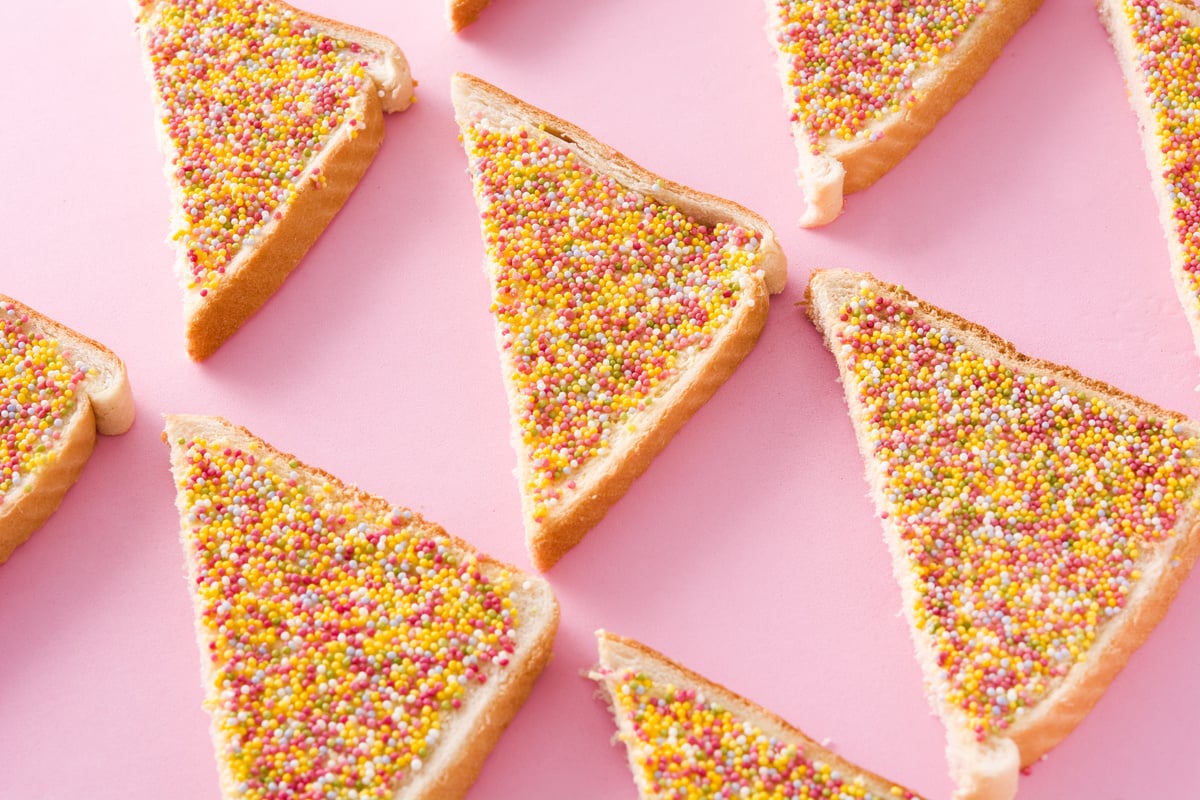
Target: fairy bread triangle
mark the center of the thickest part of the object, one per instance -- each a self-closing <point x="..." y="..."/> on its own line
<point x="268" y="117"/>
<point x="622" y="301"/>
<point x="349" y="648"/>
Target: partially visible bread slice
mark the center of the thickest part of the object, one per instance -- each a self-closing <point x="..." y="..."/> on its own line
<point x="622" y="302"/>
<point x="268" y="117"/>
<point x="689" y="737"/>
<point x="58" y="388"/>
<point x="1158" y="45"/>
<point x="1040" y="522"/>
<point x="865" y="82"/>
<point x="349" y="647"/>
<point x="461" y="13"/>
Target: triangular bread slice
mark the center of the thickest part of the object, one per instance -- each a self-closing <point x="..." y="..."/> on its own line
<point x="622" y="302"/>
<point x="863" y="84"/>
<point x="58" y="389"/>
<point x="461" y="13"/>
<point x="686" y="736"/>
<point x="1040" y="522"/>
<point x="268" y="117"/>
<point x="349" y="648"/>
<point x="1158" y="45"/>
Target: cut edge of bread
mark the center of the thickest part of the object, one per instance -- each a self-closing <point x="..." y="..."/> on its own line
<point x="606" y="479"/>
<point x="486" y="712"/>
<point x="619" y="656"/>
<point x="107" y="407"/>
<point x="843" y="166"/>
<point x="988" y="770"/>
<point x="256" y="272"/>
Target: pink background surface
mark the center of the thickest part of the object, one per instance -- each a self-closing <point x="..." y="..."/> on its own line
<point x="748" y="551"/>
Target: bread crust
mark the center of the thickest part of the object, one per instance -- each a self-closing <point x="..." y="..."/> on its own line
<point x="842" y="166"/>
<point x="106" y="407"/>
<point x="211" y="316"/>
<point x="606" y="479"/>
<point x="618" y="654"/>
<point x="984" y="770"/>
<point x="454" y="765"/>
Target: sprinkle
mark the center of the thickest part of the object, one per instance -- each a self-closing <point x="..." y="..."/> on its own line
<point x="1024" y="507"/>
<point x="341" y="637"/>
<point x="249" y="95"/>
<point x="602" y="296"/>
<point x="38" y="394"/>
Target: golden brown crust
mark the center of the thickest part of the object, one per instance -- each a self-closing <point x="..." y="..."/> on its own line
<point x="461" y="13"/>
<point x="630" y="453"/>
<point x="451" y="769"/>
<point x="618" y="654"/>
<point x="938" y="87"/>
<point x="214" y="314"/>
<point x="1038" y="732"/>
<point x="214" y="318"/>
<point x="106" y="406"/>
<point x="23" y="514"/>
<point x="1040" y="727"/>
<point x="567" y="523"/>
<point x="954" y="76"/>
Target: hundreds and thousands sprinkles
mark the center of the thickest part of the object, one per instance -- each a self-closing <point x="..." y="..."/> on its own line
<point x="852" y="62"/>
<point x="340" y="636"/>
<point x="601" y="295"/>
<point x="1023" y="507"/>
<point x="690" y="748"/>
<point x="1167" y="53"/>
<point x="249" y="95"/>
<point x="38" y="395"/>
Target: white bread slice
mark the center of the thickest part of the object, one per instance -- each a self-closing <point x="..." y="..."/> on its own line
<point x="666" y="716"/>
<point x="461" y="13"/>
<point x="1040" y="522"/>
<point x="865" y="82"/>
<point x="332" y="624"/>
<point x="610" y="337"/>
<point x="1154" y="41"/>
<point x="58" y="389"/>
<point x="268" y="117"/>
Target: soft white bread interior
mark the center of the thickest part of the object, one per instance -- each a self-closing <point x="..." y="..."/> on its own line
<point x="551" y="293"/>
<point x="864" y="85"/>
<point x="60" y="388"/>
<point x="407" y="641"/>
<point x="292" y="107"/>
<point x="1156" y="43"/>
<point x="461" y="13"/>
<point x="1040" y="522"/>
<point x="665" y="716"/>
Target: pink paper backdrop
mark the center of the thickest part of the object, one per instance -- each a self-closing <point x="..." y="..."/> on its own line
<point x="748" y="551"/>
